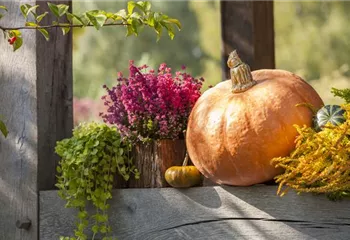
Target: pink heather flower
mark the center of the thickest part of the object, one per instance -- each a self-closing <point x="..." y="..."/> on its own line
<point x="151" y="105"/>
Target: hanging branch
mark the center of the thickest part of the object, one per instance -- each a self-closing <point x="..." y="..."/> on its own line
<point x="137" y="15"/>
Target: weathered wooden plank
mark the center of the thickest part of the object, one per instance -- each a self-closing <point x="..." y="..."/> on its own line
<point x="18" y="152"/>
<point x="209" y="213"/>
<point x="35" y="102"/>
<point x="54" y="93"/>
<point x="248" y="26"/>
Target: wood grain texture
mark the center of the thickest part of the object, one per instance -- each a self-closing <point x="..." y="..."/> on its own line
<point x="248" y="26"/>
<point x="219" y="212"/>
<point x="54" y="89"/>
<point x="18" y="152"/>
<point x="153" y="159"/>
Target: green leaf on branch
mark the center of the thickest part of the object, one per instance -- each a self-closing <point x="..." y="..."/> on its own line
<point x="71" y="17"/>
<point x="24" y="9"/>
<point x="135" y="24"/>
<point x="65" y="30"/>
<point x="44" y="33"/>
<point x="15" y="33"/>
<point x="54" y="9"/>
<point x="135" y="15"/>
<point x="98" y="20"/>
<point x="62" y="9"/>
<point x="80" y="19"/>
<point x="122" y="14"/>
<point x="32" y="11"/>
<point x="150" y="21"/>
<point x="41" y="16"/>
<point x="31" y="24"/>
<point x="3" y="128"/>
<point x="159" y="17"/>
<point x="174" y="21"/>
<point x="158" y="29"/>
<point x="17" y="44"/>
<point x="3" y="7"/>
<point x="129" y="31"/>
<point x="169" y="28"/>
<point x="144" y="6"/>
<point x="131" y="6"/>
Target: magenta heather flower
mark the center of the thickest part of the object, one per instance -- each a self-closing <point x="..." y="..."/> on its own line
<point x="151" y="104"/>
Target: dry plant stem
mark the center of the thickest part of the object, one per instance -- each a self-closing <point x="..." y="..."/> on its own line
<point x="342" y="136"/>
<point x="331" y="171"/>
<point x="59" y="25"/>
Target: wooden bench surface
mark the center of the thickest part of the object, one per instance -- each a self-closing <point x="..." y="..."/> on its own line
<point x="216" y="212"/>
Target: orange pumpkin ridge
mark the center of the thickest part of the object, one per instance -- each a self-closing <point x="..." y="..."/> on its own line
<point x="231" y="137"/>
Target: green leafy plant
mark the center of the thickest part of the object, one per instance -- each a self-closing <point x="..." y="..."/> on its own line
<point x="134" y="18"/>
<point x="90" y="159"/>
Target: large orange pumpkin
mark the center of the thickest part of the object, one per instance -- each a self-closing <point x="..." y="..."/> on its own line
<point x="238" y="126"/>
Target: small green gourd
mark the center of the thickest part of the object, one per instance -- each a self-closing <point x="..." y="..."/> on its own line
<point x="333" y="114"/>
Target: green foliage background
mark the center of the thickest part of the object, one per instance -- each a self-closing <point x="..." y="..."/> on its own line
<point x="312" y="39"/>
<point x="98" y="56"/>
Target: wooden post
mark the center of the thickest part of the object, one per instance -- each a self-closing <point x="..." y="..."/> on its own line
<point x="55" y="96"/>
<point x="35" y="103"/>
<point x="248" y="27"/>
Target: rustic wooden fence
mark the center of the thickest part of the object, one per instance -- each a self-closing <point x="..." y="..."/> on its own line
<point x="36" y="98"/>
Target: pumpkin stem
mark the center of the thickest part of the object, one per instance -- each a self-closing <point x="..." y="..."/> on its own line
<point x="241" y="75"/>
<point x="185" y="162"/>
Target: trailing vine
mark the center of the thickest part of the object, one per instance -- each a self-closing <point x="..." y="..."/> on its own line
<point x="90" y="159"/>
<point x="134" y="18"/>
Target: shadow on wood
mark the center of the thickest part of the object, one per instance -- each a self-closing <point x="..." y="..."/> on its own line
<point x="209" y="213"/>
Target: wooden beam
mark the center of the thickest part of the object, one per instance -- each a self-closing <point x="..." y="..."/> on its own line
<point x="248" y="26"/>
<point x="18" y="152"/>
<point x="208" y="213"/>
<point x="55" y="96"/>
<point x="35" y="103"/>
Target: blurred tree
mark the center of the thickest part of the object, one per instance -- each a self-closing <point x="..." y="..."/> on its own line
<point x="312" y="38"/>
<point x="100" y="55"/>
<point x="208" y="17"/>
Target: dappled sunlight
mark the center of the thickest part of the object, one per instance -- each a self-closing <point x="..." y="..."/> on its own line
<point x="19" y="151"/>
<point x="292" y="215"/>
